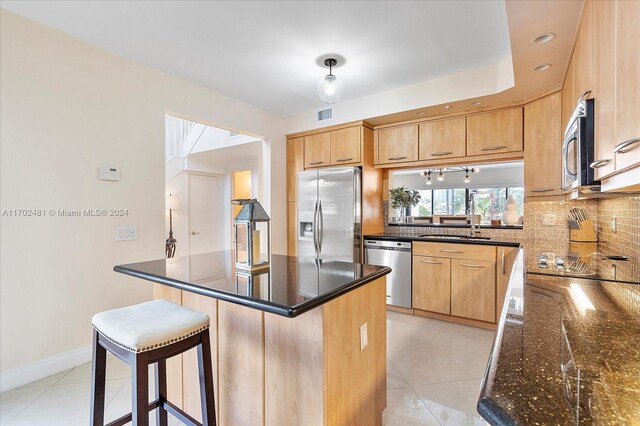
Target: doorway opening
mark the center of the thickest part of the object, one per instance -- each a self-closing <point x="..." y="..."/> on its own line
<point x="205" y="168"/>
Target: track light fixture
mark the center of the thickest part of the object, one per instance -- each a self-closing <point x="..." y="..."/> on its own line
<point x="454" y="169"/>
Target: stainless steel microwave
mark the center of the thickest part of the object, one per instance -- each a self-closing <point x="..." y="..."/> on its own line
<point x="578" y="150"/>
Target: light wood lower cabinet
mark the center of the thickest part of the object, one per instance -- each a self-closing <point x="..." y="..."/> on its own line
<point x="431" y="284"/>
<point x="473" y="289"/>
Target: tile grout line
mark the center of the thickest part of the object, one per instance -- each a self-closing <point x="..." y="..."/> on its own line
<point x="47" y="388"/>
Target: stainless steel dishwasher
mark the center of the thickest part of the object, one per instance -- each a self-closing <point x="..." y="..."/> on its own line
<point x="397" y="256"/>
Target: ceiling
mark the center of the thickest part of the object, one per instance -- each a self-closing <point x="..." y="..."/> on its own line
<point x="266" y="53"/>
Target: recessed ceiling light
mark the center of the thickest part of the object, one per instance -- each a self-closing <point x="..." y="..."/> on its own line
<point x="372" y="121"/>
<point x="420" y="113"/>
<point x="447" y="107"/>
<point x="544" y="38"/>
<point x="542" y="67"/>
<point x="476" y="103"/>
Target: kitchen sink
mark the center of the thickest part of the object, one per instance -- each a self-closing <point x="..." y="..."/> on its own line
<point x="454" y="237"/>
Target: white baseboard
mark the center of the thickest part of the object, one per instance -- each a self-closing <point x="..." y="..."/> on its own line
<point x="40" y="369"/>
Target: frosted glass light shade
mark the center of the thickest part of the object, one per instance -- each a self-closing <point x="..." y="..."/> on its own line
<point x="330" y="89"/>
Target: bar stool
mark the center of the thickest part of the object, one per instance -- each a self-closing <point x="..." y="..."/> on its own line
<point x="145" y="334"/>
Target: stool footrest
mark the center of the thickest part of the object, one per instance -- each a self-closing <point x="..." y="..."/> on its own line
<point x="165" y="405"/>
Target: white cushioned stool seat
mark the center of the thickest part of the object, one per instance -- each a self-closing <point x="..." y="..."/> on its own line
<point x="150" y="325"/>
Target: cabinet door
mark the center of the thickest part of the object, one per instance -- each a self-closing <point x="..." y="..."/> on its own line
<point x="317" y="150"/>
<point x="584" y="53"/>
<point x="568" y="101"/>
<point x="495" y="132"/>
<point x="543" y="145"/>
<point x="605" y="85"/>
<point x="432" y="284"/>
<point x="473" y="289"/>
<point x="345" y="146"/>
<point x="443" y="139"/>
<point x="627" y="151"/>
<point x="295" y="164"/>
<point x="397" y="144"/>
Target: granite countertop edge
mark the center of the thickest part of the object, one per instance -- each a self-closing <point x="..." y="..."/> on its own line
<point x="262" y="305"/>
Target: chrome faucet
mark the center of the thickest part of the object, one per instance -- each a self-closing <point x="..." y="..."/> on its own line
<point x="472" y="212"/>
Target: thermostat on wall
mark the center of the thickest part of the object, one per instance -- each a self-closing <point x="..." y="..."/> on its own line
<point x="109" y="173"/>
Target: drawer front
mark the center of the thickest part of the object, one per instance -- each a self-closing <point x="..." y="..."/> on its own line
<point x="455" y="251"/>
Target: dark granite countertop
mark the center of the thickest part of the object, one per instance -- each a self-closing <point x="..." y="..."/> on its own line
<point x="289" y="288"/>
<point x="440" y="239"/>
<point x="566" y="352"/>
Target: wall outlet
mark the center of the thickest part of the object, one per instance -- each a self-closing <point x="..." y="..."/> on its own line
<point x="364" y="338"/>
<point x="614" y="224"/>
<point x="548" y="219"/>
<point x="126" y="233"/>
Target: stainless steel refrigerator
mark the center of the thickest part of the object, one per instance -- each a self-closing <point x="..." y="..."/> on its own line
<point x="329" y="214"/>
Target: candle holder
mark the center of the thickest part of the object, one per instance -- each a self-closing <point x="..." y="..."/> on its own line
<point x="253" y="232"/>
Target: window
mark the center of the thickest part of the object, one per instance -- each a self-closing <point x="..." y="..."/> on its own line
<point x="490" y="202"/>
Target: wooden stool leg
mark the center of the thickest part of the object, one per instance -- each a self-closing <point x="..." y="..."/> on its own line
<point x="205" y="371"/>
<point x="140" y="390"/>
<point x="98" y="373"/>
<point x="161" y="391"/>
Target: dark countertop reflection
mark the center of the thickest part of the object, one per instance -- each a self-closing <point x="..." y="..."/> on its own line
<point x="290" y="287"/>
<point x="566" y="352"/>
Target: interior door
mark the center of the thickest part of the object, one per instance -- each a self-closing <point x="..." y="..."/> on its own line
<point x="204" y="218"/>
<point x="337" y="213"/>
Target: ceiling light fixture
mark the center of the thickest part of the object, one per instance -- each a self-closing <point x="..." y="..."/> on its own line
<point x="420" y="113"/>
<point x="476" y="103"/>
<point x="544" y="38"/>
<point x="452" y="169"/>
<point x="447" y="107"/>
<point x="542" y="67"/>
<point x="329" y="87"/>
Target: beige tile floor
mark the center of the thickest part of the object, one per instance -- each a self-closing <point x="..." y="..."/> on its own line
<point x="434" y="371"/>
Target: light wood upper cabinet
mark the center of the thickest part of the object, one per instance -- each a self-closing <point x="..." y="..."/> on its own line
<point x="317" y="150"/>
<point x="627" y="150"/>
<point x="569" y="102"/>
<point x="295" y="164"/>
<point x="605" y="89"/>
<point x="473" y="289"/>
<point x="431" y="284"/>
<point x="543" y="146"/>
<point x="396" y="144"/>
<point x="346" y="145"/>
<point x="584" y="53"/>
<point x="442" y="139"/>
<point x="495" y="132"/>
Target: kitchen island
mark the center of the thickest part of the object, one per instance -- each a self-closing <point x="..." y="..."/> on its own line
<point x="303" y="342"/>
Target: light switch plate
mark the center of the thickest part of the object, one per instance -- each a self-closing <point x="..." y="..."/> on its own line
<point x="614" y="224"/>
<point x="364" y="338"/>
<point x="126" y="233"/>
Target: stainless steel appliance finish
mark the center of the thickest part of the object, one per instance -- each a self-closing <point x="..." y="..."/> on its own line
<point x="578" y="150"/>
<point x="329" y="214"/>
<point x="397" y="256"/>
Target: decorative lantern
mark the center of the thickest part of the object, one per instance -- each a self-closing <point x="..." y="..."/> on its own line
<point x="253" y="235"/>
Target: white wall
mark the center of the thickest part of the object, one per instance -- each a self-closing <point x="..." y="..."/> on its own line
<point x="67" y="108"/>
<point x="482" y="81"/>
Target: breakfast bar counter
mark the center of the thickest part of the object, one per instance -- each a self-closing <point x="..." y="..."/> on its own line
<point x="303" y="342"/>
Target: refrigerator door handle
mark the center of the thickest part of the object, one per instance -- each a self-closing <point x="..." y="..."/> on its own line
<point x="315" y="227"/>
<point x="320" y="228"/>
